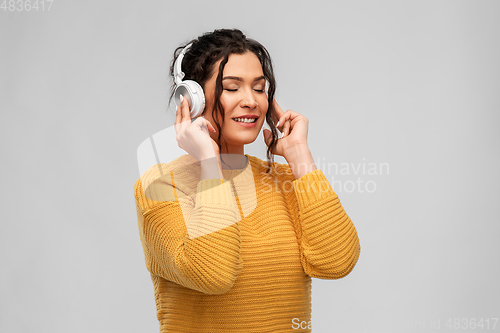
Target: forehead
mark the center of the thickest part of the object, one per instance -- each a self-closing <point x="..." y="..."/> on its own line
<point x="243" y="65"/>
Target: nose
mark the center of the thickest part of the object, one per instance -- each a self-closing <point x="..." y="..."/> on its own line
<point x="248" y="100"/>
<point x="252" y="103"/>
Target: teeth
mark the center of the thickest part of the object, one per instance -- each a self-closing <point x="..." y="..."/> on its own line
<point x="246" y="120"/>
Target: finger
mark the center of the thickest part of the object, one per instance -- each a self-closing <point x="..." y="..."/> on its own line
<point x="208" y="124"/>
<point x="178" y="115"/>
<point x="186" y="115"/>
<point x="178" y="118"/>
<point x="212" y="128"/>
<point x="284" y="119"/>
<point x="268" y="137"/>
<point x="205" y="124"/>
<point x="279" y="111"/>
<point x="286" y="130"/>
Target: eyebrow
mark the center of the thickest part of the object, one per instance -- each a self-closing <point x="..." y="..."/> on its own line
<point x="237" y="78"/>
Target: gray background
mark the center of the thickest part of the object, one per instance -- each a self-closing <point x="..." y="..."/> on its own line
<point x="411" y="84"/>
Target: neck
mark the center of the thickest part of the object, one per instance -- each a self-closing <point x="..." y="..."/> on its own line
<point x="233" y="161"/>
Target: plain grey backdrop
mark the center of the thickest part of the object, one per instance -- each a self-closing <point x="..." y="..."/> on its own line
<point x="403" y="104"/>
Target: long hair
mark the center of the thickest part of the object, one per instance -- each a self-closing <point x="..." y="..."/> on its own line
<point x="198" y="65"/>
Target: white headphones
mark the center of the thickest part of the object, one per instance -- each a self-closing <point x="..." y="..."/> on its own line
<point x="189" y="89"/>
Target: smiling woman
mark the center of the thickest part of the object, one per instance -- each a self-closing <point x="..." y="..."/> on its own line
<point x="233" y="71"/>
<point x="243" y="100"/>
<point x="226" y="251"/>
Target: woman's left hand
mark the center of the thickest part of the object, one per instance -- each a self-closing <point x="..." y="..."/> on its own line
<point x="293" y="127"/>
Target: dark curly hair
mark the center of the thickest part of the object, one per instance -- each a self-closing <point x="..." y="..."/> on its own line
<point x="198" y="65"/>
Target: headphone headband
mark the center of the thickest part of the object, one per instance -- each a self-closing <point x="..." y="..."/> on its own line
<point x="178" y="73"/>
<point x="190" y="89"/>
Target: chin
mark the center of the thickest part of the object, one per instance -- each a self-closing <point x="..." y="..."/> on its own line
<point x="243" y="140"/>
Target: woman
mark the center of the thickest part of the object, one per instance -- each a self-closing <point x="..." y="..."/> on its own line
<point x="232" y="241"/>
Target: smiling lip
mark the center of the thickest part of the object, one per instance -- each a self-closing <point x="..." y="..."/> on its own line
<point x="246" y="124"/>
<point x="248" y="116"/>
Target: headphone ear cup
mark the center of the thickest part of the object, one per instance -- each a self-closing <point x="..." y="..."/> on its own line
<point x="193" y="92"/>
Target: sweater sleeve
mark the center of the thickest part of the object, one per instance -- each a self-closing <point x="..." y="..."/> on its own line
<point x="328" y="241"/>
<point x="194" y="243"/>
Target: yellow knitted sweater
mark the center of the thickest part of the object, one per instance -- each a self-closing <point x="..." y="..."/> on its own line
<point x="237" y="254"/>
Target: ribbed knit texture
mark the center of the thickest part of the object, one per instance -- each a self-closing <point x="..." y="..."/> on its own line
<point x="237" y="255"/>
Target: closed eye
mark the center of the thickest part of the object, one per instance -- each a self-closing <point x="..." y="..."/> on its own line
<point x="257" y="90"/>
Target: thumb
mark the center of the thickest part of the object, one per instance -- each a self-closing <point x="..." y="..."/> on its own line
<point x="267" y="136"/>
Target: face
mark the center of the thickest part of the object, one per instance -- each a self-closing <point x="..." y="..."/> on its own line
<point x="243" y="94"/>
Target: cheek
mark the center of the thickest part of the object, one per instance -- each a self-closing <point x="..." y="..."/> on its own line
<point x="264" y="104"/>
<point x="228" y="103"/>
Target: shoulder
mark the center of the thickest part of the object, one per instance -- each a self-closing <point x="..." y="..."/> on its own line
<point x="167" y="182"/>
<point x="280" y="171"/>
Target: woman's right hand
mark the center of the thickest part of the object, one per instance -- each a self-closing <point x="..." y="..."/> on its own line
<point x="193" y="136"/>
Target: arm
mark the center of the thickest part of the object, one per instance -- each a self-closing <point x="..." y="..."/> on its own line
<point x="194" y="243"/>
<point x="328" y="240"/>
